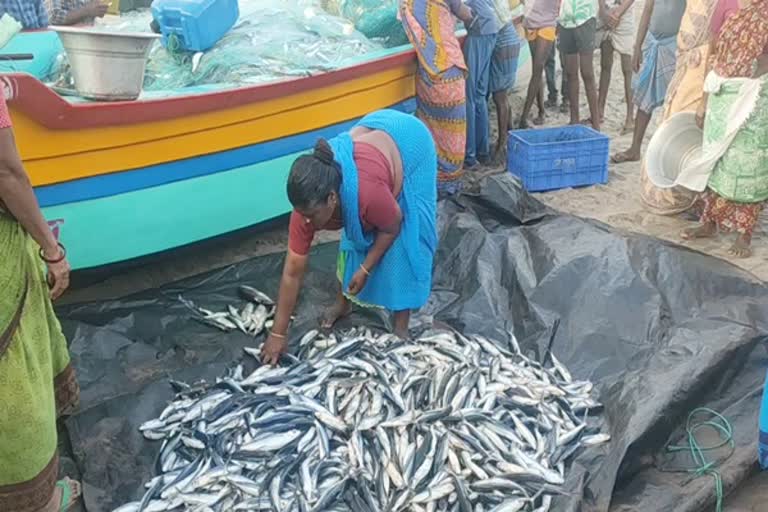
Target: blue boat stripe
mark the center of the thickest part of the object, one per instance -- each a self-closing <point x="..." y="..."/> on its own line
<point x="155" y="175"/>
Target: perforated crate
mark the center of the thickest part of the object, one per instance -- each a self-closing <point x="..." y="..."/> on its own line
<point x="555" y="158"/>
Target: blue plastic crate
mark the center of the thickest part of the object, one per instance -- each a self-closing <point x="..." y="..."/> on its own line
<point x="197" y="24"/>
<point x="554" y="158"/>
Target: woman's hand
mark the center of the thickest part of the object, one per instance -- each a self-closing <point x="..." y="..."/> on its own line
<point x="58" y="278"/>
<point x="637" y="60"/>
<point x="273" y="348"/>
<point x="613" y="18"/>
<point x="701" y="116"/>
<point x="357" y="282"/>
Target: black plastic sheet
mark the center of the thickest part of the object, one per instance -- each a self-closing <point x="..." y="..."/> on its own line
<point x="659" y="329"/>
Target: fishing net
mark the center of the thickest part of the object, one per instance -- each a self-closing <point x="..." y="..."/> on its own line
<point x="272" y="40"/>
<point x="376" y="19"/>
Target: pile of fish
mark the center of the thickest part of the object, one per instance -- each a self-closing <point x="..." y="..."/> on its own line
<point x="252" y="319"/>
<point x="369" y="422"/>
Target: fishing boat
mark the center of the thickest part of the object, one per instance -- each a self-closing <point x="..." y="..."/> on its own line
<point x="123" y="180"/>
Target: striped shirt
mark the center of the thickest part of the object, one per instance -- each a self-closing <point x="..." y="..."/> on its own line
<point x="60" y="9"/>
<point x="30" y="13"/>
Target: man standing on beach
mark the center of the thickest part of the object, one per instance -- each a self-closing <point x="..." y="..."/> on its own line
<point x="577" y="27"/>
<point x="478" y="52"/>
<point x="654" y="62"/>
<point x="540" y="22"/>
<point x="616" y="33"/>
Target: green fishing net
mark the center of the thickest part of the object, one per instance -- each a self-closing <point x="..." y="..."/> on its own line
<point x="376" y="19"/>
<point x="272" y="40"/>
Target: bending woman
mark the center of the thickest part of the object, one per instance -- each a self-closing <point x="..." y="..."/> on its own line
<point x="736" y="126"/>
<point x="37" y="383"/>
<point x="377" y="184"/>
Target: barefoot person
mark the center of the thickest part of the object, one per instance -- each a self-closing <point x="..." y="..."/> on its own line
<point x="37" y="382"/>
<point x="540" y="24"/>
<point x="616" y="34"/>
<point x="736" y="123"/>
<point x="504" y="69"/>
<point x="577" y="44"/>
<point x="440" y="81"/>
<point x="479" y="46"/>
<point x="654" y="64"/>
<point x="377" y="184"/>
<point x="550" y="72"/>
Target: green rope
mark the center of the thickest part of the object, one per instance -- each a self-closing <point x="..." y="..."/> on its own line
<point x="716" y="421"/>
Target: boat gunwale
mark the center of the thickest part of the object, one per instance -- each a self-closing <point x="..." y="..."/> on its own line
<point x="44" y="106"/>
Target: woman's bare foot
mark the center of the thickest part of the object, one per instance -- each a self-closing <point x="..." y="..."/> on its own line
<point x="401" y="321"/>
<point x="706" y="230"/>
<point x="539" y="120"/>
<point x="629" y="155"/>
<point x="65" y="495"/>
<point x="339" y="309"/>
<point x="741" y="247"/>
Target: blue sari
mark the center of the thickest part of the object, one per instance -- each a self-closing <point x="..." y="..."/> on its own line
<point x="403" y="278"/>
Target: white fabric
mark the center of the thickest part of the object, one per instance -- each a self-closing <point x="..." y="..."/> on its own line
<point x="695" y="173"/>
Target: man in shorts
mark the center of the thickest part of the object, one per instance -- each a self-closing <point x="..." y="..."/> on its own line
<point x="504" y="68"/>
<point x="540" y="24"/>
<point x="616" y="33"/>
<point x="577" y="25"/>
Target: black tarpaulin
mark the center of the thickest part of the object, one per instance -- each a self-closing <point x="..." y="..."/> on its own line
<point x="659" y="329"/>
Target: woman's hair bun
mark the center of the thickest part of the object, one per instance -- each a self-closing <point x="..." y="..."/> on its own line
<point x="323" y="152"/>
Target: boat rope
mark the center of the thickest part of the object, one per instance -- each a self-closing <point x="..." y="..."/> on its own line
<point x="700" y="419"/>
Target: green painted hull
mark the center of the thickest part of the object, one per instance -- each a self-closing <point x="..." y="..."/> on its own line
<point x="118" y="228"/>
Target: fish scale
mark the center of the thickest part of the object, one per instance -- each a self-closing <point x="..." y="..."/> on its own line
<point x="366" y="421"/>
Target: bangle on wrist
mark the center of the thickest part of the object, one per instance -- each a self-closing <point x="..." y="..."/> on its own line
<point x="365" y="270"/>
<point x="276" y="335"/>
<point x="62" y="255"/>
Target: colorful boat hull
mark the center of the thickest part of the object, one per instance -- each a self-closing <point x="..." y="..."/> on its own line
<point x="123" y="180"/>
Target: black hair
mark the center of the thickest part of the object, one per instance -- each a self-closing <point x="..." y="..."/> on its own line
<point x="313" y="177"/>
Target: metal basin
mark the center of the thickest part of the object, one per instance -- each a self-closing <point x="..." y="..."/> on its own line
<point x="674" y="144"/>
<point x="106" y="66"/>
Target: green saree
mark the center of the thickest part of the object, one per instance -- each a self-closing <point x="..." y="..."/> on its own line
<point x="37" y="382"/>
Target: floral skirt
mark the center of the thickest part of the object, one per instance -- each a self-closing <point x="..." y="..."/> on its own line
<point x="728" y="215"/>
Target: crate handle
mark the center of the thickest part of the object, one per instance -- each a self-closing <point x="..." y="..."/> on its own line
<point x="565" y="163"/>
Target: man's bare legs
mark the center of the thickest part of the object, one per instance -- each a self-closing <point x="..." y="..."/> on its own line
<point x="539" y="50"/>
<point x="588" y="76"/>
<point x="538" y="121"/>
<point x="606" y="67"/>
<point x="571" y="69"/>
<point x="626" y="70"/>
<point x="573" y="64"/>
<point x="633" y="153"/>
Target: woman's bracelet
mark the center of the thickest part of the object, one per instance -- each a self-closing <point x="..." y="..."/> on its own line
<point x="365" y="270"/>
<point x="61" y="257"/>
<point x="278" y="336"/>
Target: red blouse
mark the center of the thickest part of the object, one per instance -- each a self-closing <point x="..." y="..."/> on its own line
<point x="376" y="201"/>
<point x="5" y="118"/>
